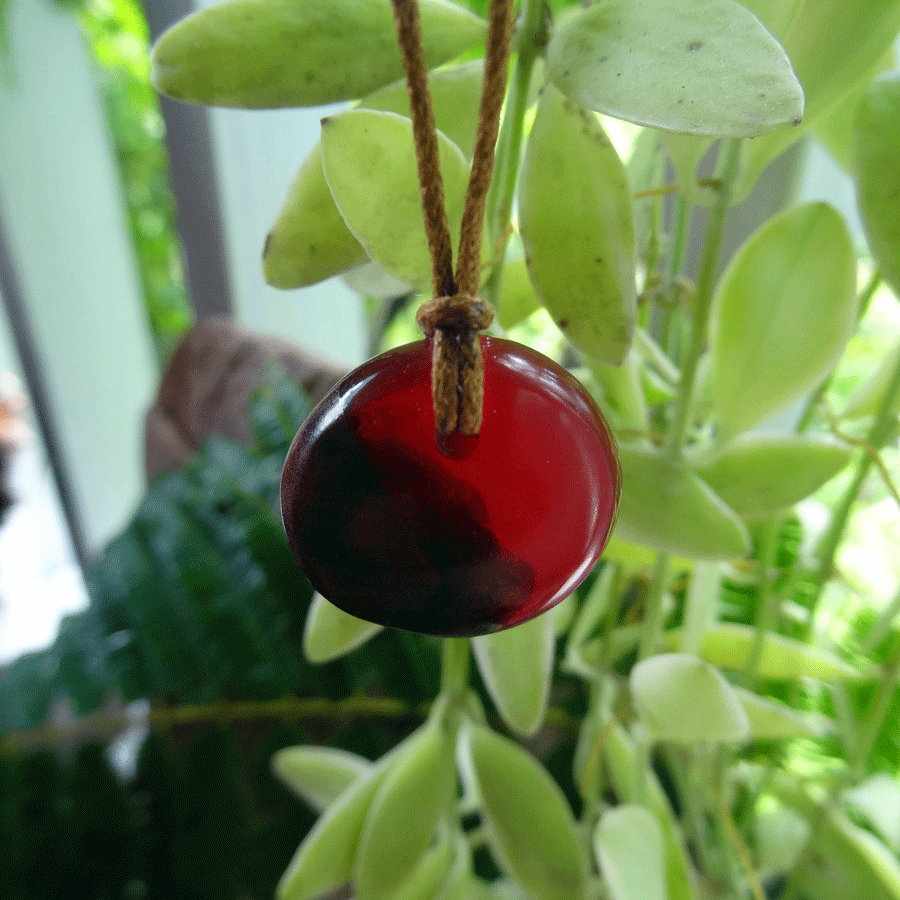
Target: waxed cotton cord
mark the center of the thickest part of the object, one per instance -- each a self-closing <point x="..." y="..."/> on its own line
<point x="455" y="315"/>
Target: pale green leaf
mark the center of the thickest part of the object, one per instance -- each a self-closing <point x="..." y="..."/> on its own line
<point x="370" y="164"/>
<point x="700" y="68"/>
<point x="878" y="799"/>
<point x="832" y="46"/>
<point x="876" y="168"/>
<point x="455" y="99"/>
<point x="685" y="700"/>
<point x="318" y="774"/>
<point x="759" y="475"/>
<point x="629" y="846"/>
<point x="330" y="632"/>
<point x="780" y="835"/>
<point x="783" y="312"/>
<point x="869" y="397"/>
<point x="516" y="665"/>
<point x="836" y="126"/>
<point x="667" y="507"/>
<point x="620" y="758"/>
<point x="457" y="884"/>
<point x="325" y="858"/>
<point x="771" y="720"/>
<point x="260" y="54"/>
<point x="577" y="230"/>
<point x="728" y="645"/>
<point x="517" y="298"/>
<point x="530" y="826"/>
<point x="310" y="240"/>
<point x="426" y="879"/>
<point x="404" y="814"/>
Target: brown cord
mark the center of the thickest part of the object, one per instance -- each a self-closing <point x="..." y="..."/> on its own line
<point x="454" y="316"/>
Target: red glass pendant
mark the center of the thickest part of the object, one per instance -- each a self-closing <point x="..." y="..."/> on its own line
<point x="478" y="536"/>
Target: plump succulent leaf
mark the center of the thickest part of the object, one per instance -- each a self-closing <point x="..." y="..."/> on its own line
<point x="783" y="312"/>
<point x="628" y="843"/>
<point x="263" y="54"/>
<point x="832" y="45"/>
<point x="728" y="645"/>
<point x="758" y="475"/>
<point x="577" y="230"/>
<point x="310" y="240"/>
<point x="330" y="632"/>
<point x="531" y="829"/>
<point x="709" y="69"/>
<point x="876" y="168"/>
<point x="685" y="700"/>
<point x="516" y="666"/>
<point x="404" y="814"/>
<point x="667" y="507"/>
<point x="370" y="165"/>
<point x="318" y="774"/>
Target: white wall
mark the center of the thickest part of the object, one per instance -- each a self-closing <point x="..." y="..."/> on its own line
<point x="62" y="205"/>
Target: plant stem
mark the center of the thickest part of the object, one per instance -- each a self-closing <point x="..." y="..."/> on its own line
<point x="729" y="160"/>
<point x="767" y="599"/>
<point x="509" y="144"/>
<point x="455" y="669"/>
<point x="653" y="616"/>
<point x="880" y="432"/>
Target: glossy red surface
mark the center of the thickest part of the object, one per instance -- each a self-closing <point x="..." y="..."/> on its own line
<point x="392" y="530"/>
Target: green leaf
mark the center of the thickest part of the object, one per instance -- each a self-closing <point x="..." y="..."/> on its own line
<point x="784" y="310"/>
<point x="667" y="507"/>
<point x="685" y="700"/>
<point x="325" y="858"/>
<point x="836" y="126"/>
<point x="517" y="300"/>
<point x="728" y="645"/>
<point x="629" y="846"/>
<point x="427" y="878"/>
<point x="832" y="45"/>
<point x="530" y="826"/>
<point x="455" y="99"/>
<point x="576" y="226"/>
<point x="878" y="799"/>
<point x="876" y="168"/>
<point x="771" y="720"/>
<point x="868" y="398"/>
<point x="758" y="476"/>
<point x="319" y="775"/>
<point x="620" y="758"/>
<point x="310" y="240"/>
<point x="370" y="165"/>
<point x="708" y="68"/>
<point x="262" y="54"/>
<point x="516" y="666"/>
<point x="330" y="632"/>
<point x="404" y="814"/>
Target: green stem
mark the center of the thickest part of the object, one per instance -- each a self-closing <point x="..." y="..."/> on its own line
<point x="455" y="669"/>
<point x="653" y="616"/>
<point x="509" y="144"/>
<point x="729" y="161"/>
<point x="767" y="600"/>
<point x="880" y="432"/>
